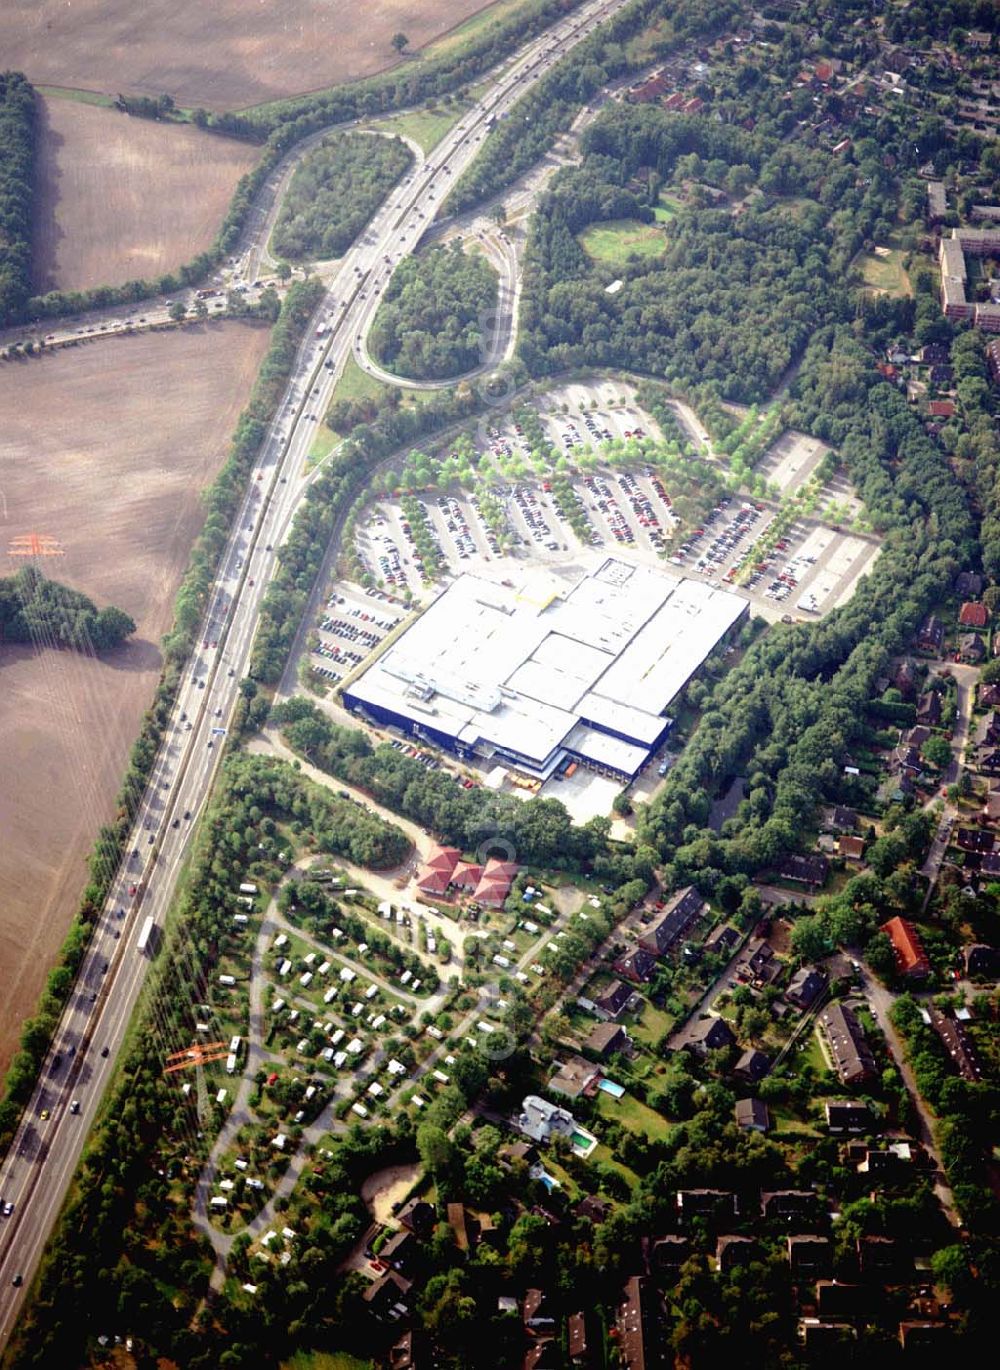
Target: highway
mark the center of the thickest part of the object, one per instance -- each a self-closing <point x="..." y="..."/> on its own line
<point x="37" y="1172"/>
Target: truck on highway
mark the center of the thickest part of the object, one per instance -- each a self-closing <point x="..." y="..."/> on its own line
<point x="146" y="943"/>
<point x="321" y="330"/>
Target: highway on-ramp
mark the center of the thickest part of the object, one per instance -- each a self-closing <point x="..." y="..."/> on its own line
<point x="37" y="1171"/>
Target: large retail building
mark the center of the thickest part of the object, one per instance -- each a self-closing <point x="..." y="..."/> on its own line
<point x="550" y="672"/>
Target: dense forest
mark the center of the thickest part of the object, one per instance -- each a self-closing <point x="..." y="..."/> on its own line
<point x="709" y="309"/>
<point x="335" y="192"/>
<point x="436" y="316"/>
<point x="35" y="609"/>
<point x="17" y="170"/>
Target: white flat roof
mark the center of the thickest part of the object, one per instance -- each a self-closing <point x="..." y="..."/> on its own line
<point x="606" y="751"/>
<point x="516" y="668"/>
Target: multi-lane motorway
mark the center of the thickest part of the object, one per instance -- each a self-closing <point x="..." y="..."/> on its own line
<point x="38" y="1169"/>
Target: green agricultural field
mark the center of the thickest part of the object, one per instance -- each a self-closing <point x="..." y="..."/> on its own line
<point x="884" y="274"/>
<point x="615" y="241"/>
<point x="325" y="1360"/>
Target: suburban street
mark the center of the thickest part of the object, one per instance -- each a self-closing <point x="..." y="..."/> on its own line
<point x="43" y="1158"/>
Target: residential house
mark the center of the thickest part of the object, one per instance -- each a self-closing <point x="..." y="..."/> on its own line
<point x="844" y="819"/>
<point x="710" y="1034"/>
<point x="434" y="876"/>
<point x="920" y="1337"/>
<point x="885" y="1164"/>
<point x="968" y="584"/>
<point x="934" y="354"/>
<point x="809" y="1256"/>
<point x="837" y="1300"/>
<point x="401" y="1250"/>
<point x="883" y="1259"/>
<point x="683" y="909"/>
<point x="606" y="1039"/>
<point x="993" y="358"/>
<point x="576" y="1337"/>
<point x="731" y="1251"/>
<point x="844" y="1115"/>
<point x="850" y="847"/>
<point x="992" y="732"/>
<point x="851" y="1053"/>
<point x="929" y="709"/>
<point x="971" y="648"/>
<point x="805" y="987"/>
<point x="809" y="870"/>
<point x="761" y="965"/>
<point x="991" y="807"/>
<point x="666" y="1253"/>
<point x="941" y="409"/>
<point x="709" y="1204"/>
<point x="543" y="1355"/>
<point x="536" y="1316"/>
<point x="941" y="375"/>
<point x="752" y="1066"/>
<point x="723" y="941"/>
<point x="651" y="91"/>
<point x="517" y="1151"/>
<point x="458" y="1225"/>
<point x="937" y="201"/>
<point x="826" y="1339"/>
<point x="541" y="1120"/>
<point x="592" y="1208"/>
<point x="387" y="1296"/>
<point x="786" y="1205"/>
<point x="751" y="1115"/>
<point x="916" y="736"/>
<point x="974" y="840"/>
<point x="911" y="959"/>
<point x="575" y="1075"/>
<point x="930" y="635"/>
<point x="906" y="761"/>
<point x="958" y="1045"/>
<point x="495" y="882"/>
<point x="612" y="1001"/>
<point x="636" y="1324"/>
<point x="418" y="1216"/>
<point x="982" y="961"/>
<point x="988" y="696"/>
<point x="636" y="965"/>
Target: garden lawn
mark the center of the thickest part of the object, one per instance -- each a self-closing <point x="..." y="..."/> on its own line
<point x="636" y="1116"/>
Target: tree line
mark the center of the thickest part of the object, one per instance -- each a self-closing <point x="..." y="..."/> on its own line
<point x="433" y="320"/>
<point x="18" y="126"/>
<point x="526" y="133"/>
<point x="36" y="609"/>
<point x="335" y="192"/>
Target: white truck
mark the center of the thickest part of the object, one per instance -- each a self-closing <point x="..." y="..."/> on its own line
<point x="146" y="941"/>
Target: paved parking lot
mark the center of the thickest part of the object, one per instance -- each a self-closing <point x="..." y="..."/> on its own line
<point x="352" y="623"/>
<point x="791" y="461"/>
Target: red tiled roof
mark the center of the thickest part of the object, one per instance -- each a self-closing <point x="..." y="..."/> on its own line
<point x="911" y="959"/>
<point x="497" y="878"/>
<point x="974" y="615"/>
<point x="466" y="876"/>
<point x="941" y="409"/>
<point x="434" y="876"/>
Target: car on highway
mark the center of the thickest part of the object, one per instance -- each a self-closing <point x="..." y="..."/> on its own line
<point x="45" y="1115"/>
<point x="75" y="1106"/>
<point x="8" y="1208"/>
<point x="104" y="1051"/>
<point x="18" y="1280"/>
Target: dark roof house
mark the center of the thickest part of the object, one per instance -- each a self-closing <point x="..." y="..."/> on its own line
<point x="636" y="965"/>
<point x="681" y="911"/>
<point x="804" y="870"/>
<point x="752" y="1115"/>
<point x="805" y="987"/>
<point x="710" y="1034"/>
<point x="753" y="1065"/>
<point x="851" y="1053"/>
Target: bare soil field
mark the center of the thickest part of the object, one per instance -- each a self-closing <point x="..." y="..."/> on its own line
<point x="225" y="55"/>
<point x="106" y="448"/>
<point x="122" y="198"/>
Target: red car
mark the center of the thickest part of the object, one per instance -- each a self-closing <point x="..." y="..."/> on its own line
<point x="133" y="889"/>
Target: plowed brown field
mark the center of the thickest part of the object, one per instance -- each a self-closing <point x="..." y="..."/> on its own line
<point x="120" y="198"/>
<point x="105" y="448"/>
<point x="226" y="54"/>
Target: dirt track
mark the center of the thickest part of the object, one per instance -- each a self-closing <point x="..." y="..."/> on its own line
<point x="121" y="198"/>
<point x="223" y="55"/>
<point x="106" y="448"/>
